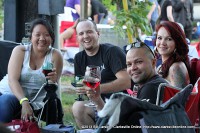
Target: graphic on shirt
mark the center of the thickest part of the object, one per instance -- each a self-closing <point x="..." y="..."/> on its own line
<point x="32" y="78"/>
<point x="102" y="67"/>
<point x="146" y="100"/>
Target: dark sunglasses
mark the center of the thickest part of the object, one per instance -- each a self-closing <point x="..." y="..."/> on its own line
<point x="139" y="45"/>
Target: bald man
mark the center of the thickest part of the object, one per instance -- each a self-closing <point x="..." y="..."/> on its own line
<point x="141" y="63"/>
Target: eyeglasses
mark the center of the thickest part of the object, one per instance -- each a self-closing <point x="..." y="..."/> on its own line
<point x="139" y="45"/>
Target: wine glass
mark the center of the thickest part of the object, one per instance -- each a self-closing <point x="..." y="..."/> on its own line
<point x="92" y="79"/>
<point x="136" y="87"/>
<point x="78" y="82"/>
<point x="47" y="68"/>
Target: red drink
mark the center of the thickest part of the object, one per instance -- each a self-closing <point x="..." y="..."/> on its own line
<point x="92" y="85"/>
<point x="46" y="71"/>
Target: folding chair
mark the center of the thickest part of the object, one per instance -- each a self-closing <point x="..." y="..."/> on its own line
<point x="65" y="24"/>
<point x="72" y="47"/>
<point x="166" y="91"/>
<point x="6" y="48"/>
<point x="72" y="42"/>
<point x="124" y="114"/>
<point x="195" y="70"/>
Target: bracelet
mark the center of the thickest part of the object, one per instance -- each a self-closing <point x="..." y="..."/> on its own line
<point x="22" y="100"/>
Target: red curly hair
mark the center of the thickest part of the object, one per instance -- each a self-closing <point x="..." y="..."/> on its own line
<point x="182" y="49"/>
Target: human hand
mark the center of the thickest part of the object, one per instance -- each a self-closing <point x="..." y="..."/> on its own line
<point x="27" y="111"/>
<point x="93" y="95"/>
<point x="52" y="75"/>
<point x="80" y="90"/>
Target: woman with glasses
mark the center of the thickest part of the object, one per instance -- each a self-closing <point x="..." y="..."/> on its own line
<point x="171" y="45"/>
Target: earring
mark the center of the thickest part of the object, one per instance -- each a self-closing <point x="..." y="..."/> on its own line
<point x="175" y="50"/>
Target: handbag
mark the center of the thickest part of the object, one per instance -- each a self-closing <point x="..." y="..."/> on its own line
<point x="20" y="126"/>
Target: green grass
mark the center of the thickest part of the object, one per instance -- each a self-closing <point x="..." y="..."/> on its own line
<point x="68" y="98"/>
<point x="66" y="80"/>
<point x="67" y="102"/>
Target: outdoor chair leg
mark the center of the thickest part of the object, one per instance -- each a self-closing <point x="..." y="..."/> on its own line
<point x="47" y="110"/>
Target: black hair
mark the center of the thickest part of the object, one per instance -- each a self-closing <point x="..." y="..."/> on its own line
<point x="44" y="23"/>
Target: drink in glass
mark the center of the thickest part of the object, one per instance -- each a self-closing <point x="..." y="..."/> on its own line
<point x="78" y="82"/>
<point x="92" y="79"/>
<point x="47" y="68"/>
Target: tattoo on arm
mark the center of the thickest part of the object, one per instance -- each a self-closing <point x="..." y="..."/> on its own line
<point x="178" y="77"/>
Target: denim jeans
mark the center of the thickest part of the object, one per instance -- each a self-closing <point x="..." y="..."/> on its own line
<point x="9" y="108"/>
<point x="153" y="25"/>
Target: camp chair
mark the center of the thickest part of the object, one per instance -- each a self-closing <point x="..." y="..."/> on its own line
<point x="6" y="48"/>
<point x="72" y="47"/>
<point x="71" y="42"/>
<point x="124" y="114"/>
<point x="195" y="70"/>
<point x="166" y="91"/>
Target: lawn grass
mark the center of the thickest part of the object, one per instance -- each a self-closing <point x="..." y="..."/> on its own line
<point x="67" y="102"/>
<point x="66" y="80"/>
<point x="68" y="97"/>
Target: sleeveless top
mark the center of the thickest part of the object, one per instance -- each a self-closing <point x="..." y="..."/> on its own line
<point x="30" y="80"/>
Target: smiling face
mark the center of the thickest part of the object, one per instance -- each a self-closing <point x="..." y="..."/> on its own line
<point x="140" y="65"/>
<point x="165" y="44"/>
<point x="41" y="38"/>
<point x="87" y="36"/>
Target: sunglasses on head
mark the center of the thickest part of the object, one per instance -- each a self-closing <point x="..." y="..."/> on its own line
<point x="139" y="45"/>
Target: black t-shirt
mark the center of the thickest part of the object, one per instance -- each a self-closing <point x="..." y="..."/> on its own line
<point x="97" y="8"/>
<point x="149" y="90"/>
<point x="110" y="58"/>
<point x="164" y="10"/>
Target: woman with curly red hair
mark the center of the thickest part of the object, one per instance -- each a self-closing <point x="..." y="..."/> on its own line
<point x="173" y="49"/>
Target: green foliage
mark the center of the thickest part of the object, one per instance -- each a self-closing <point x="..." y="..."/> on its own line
<point x="108" y="4"/>
<point x="135" y="18"/>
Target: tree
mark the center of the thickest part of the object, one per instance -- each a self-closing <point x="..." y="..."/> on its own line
<point x="134" y="17"/>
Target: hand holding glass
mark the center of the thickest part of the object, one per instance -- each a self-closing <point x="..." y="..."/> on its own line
<point x="78" y="82"/>
<point x="92" y="79"/>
